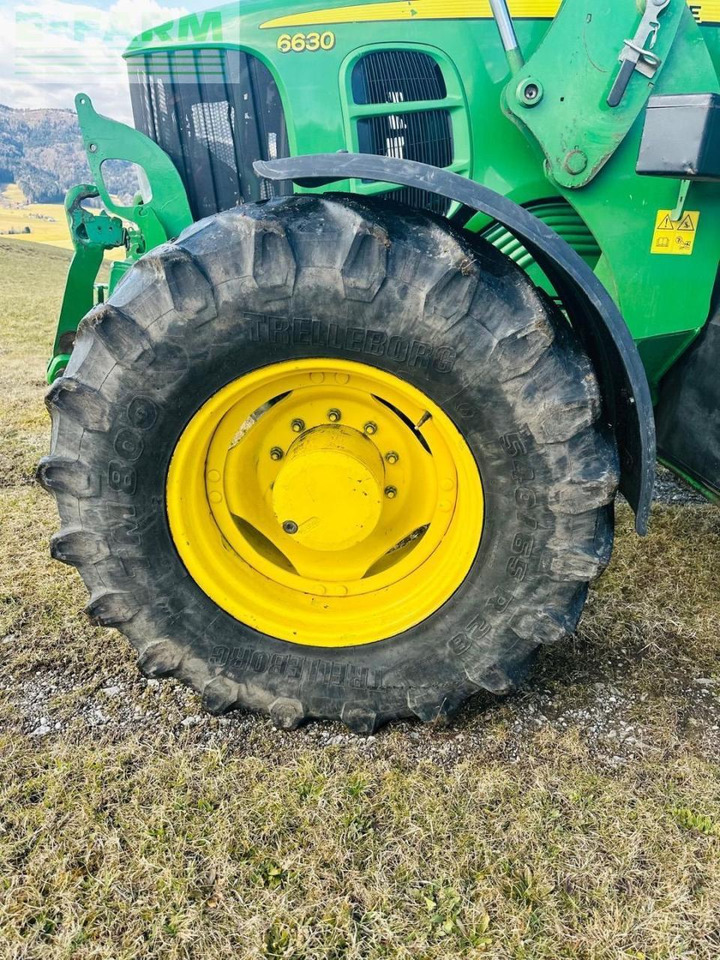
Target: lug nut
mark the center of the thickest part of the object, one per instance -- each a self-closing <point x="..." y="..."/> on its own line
<point x="276" y="453"/>
<point x="370" y="428"/>
<point x="290" y="527"/>
<point x="334" y="415"/>
<point x="391" y="492"/>
<point x="392" y="457"/>
<point x="297" y="426"/>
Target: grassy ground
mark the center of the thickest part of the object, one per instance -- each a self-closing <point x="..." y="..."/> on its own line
<point x="46" y="221"/>
<point x="578" y="819"/>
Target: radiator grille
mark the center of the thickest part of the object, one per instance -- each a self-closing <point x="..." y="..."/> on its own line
<point x="397" y="76"/>
<point x="214" y="112"/>
<point x="425" y="136"/>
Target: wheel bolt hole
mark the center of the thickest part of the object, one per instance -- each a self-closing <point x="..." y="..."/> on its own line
<point x="392" y="457"/>
<point x="290" y="527"/>
<point x="334" y="415"/>
<point x="391" y="492"/>
<point x="370" y="428"/>
<point x="276" y="453"/>
<point x="297" y="426"/>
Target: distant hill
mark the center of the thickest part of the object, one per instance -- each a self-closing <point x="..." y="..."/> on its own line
<point x="41" y="150"/>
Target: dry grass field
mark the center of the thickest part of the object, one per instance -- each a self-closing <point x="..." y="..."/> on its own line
<point x="46" y="221"/>
<point x="579" y="819"/>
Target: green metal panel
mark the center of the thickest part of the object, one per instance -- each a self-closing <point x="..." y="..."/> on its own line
<point x="569" y="116"/>
<point x="313" y="85"/>
<point x="659" y="296"/>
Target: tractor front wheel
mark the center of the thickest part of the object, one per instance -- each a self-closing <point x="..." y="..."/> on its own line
<point x="328" y="458"/>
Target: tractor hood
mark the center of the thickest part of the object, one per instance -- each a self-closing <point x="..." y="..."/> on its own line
<point x="230" y="24"/>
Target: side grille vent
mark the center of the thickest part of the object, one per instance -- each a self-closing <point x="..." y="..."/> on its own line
<point x="424" y="134"/>
<point x="426" y="137"/>
<point x="563" y="219"/>
<point x="397" y="76"/>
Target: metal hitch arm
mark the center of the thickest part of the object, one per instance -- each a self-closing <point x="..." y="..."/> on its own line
<point x="91" y="235"/>
<point x="593" y="313"/>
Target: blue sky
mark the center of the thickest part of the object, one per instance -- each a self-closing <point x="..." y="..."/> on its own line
<point x="52" y="49"/>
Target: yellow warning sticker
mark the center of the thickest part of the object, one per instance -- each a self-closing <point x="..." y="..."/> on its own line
<point x="675" y="236"/>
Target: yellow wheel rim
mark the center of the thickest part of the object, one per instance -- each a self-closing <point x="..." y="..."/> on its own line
<point x="325" y="502"/>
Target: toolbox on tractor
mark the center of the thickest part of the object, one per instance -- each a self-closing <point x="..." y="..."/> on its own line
<point x="682" y="137"/>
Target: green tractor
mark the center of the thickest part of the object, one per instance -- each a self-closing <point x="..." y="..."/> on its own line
<point x="411" y="288"/>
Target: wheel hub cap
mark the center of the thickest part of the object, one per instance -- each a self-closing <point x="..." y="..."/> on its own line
<point x="330" y="488"/>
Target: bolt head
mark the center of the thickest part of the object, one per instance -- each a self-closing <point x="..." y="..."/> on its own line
<point x="290" y="527"/>
<point x="334" y="415"/>
<point x="576" y="162"/>
<point x="370" y="428"/>
<point x="391" y="492"/>
<point x="297" y="426"/>
<point x="392" y="457"/>
<point x="529" y="92"/>
<point x="276" y="453"/>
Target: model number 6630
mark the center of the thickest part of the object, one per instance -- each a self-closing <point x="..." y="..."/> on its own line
<point x="300" y="42"/>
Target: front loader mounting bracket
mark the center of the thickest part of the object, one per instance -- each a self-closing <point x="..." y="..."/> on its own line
<point x="158" y="217"/>
<point x="592" y="311"/>
<point x="560" y="96"/>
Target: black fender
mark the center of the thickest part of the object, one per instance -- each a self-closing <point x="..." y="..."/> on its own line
<point x="594" y="315"/>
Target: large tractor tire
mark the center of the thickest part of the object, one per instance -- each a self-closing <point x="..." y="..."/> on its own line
<point x="328" y="458"/>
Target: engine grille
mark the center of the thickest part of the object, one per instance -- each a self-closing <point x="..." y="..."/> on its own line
<point x="397" y="76"/>
<point x="425" y="135"/>
<point x="214" y="112"/>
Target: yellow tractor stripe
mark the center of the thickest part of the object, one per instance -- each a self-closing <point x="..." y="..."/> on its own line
<point x="708" y="11"/>
<point x="705" y="11"/>
<point x="417" y="10"/>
